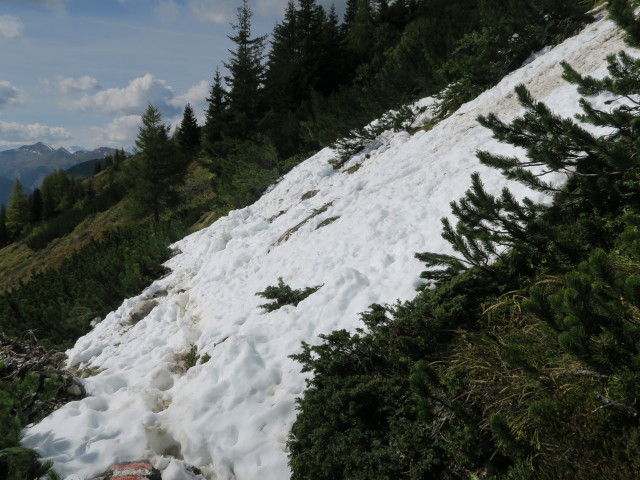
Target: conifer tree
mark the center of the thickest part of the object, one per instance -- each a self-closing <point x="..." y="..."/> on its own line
<point x="216" y="115"/>
<point x="281" y="65"/>
<point x="333" y="69"/>
<point x="362" y="33"/>
<point x="349" y="14"/>
<point x="118" y="157"/>
<point x="18" y="210"/>
<point x="57" y="194"/>
<point x="246" y="75"/>
<point x="157" y="168"/>
<point x="188" y="134"/>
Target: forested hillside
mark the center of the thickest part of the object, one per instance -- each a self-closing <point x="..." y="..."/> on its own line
<point x="517" y="361"/>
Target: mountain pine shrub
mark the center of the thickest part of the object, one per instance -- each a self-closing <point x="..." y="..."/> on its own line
<point x="283" y="295"/>
<point x="522" y="361"/>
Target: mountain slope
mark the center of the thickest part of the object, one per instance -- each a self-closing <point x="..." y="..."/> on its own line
<point x="31" y="163"/>
<point x="230" y="415"/>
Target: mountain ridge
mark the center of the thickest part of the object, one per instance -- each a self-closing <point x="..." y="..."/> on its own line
<point x="31" y="163"/>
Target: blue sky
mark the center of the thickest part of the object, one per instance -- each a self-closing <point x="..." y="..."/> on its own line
<point x="80" y="72"/>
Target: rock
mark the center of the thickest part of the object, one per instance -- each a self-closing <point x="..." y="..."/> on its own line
<point x="160" y="293"/>
<point x="142" y="309"/>
<point x="129" y="471"/>
<point x="76" y="390"/>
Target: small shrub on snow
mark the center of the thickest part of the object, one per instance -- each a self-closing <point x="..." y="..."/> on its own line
<point x="283" y="295"/>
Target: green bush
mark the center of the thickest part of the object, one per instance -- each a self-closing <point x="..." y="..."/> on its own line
<point x="57" y="305"/>
<point x="283" y="295"/>
<point x="519" y="363"/>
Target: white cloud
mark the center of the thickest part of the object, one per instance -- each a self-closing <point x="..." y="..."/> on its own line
<point x="10" y="95"/>
<point x="121" y="132"/>
<point x="72" y="84"/>
<point x="132" y="99"/>
<point x="10" y="26"/>
<point x="13" y="132"/>
<point x="269" y="7"/>
<point x="215" y="11"/>
<point x="196" y="96"/>
<point x="78" y="84"/>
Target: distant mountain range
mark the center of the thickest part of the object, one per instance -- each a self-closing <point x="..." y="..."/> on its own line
<point x="31" y="163"/>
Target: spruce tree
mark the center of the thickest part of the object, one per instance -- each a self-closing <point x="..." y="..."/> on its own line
<point x="361" y="35"/>
<point x="282" y="63"/>
<point x="156" y="169"/>
<point x="188" y="134"/>
<point x="246" y="76"/>
<point x="57" y="194"/>
<point x="216" y="115"/>
<point x="18" y="210"/>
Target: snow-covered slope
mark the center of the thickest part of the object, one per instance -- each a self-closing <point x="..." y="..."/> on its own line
<point x="230" y="416"/>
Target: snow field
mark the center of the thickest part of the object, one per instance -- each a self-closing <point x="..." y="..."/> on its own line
<point x="230" y="416"/>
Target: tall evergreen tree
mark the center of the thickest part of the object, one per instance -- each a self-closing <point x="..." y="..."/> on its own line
<point x="189" y="134"/>
<point x="281" y="65"/>
<point x="216" y="115"/>
<point x="349" y="14"/>
<point x="360" y="38"/>
<point x="156" y="168"/>
<point x="246" y="76"/>
<point x="18" y="210"/>
<point x="333" y="68"/>
<point x="57" y="194"/>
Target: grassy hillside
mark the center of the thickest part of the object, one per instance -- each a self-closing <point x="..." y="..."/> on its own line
<point x="19" y="261"/>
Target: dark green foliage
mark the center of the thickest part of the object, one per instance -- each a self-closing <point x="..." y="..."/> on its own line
<point x="65" y="220"/>
<point x="216" y="116"/>
<point x="156" y="170"/>
<point x="522" y="361"/>
<point x="40" y="236"/>
<point x="188" y="134"/>
<point x="368" y="410"/>
<point x="59" y="304"/>
<point x="243" y="170"/>
<point x="622" y="12"/>
<point x="586" y="309"/>
<point x="246" y="76"/>
<point x="283" y="295"/>
<point x="17" y="214"/>
<point x="59" y="192"/>
<point x="29" y="390"/>
<point x="17" y="463"/>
